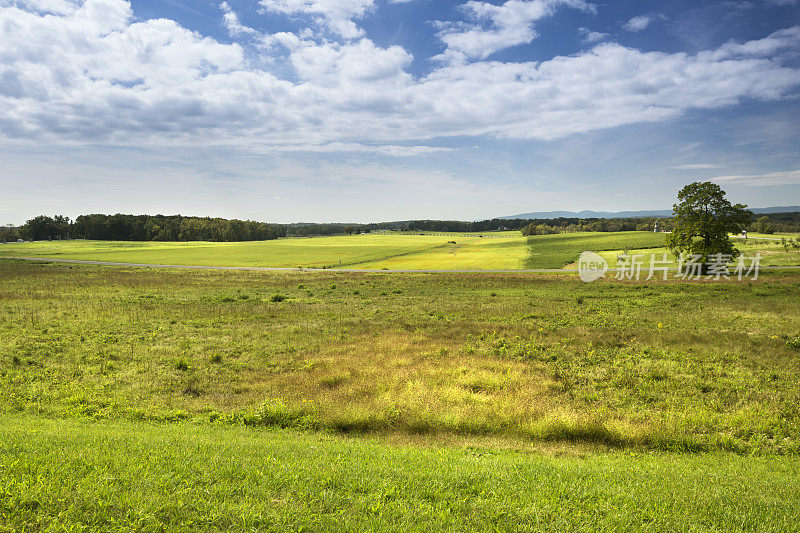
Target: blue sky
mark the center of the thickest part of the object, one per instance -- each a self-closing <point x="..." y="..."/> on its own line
<point x="369" y="110"/>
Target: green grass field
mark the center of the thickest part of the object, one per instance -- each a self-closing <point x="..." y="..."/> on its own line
<point x="159" y="399"/>
<point x="672" y="366"/>
<point x="559" y="250"/>
<point x="121" y="476"/>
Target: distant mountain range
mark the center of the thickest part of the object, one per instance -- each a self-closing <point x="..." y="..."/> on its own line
<point x="662" y="213"/>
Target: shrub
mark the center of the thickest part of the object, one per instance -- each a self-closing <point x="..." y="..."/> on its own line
<point x="182" y="365"/>
<point x="277" y="413"/>
<point x="277" y="297"/>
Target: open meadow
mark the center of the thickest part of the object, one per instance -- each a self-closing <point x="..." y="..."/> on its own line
<point x="420" y="251"/>
<point x="417" y="251"/>
<point x="508" y="250"/>
<point x="513" y="401"/>
<point x="399" y="266"/>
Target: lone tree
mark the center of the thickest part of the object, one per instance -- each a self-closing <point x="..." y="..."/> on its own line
<point x="703" y="218"/>
<point x="763" y="225"/>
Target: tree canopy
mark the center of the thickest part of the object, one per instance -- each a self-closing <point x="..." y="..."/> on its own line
<point x="703" y="217"/>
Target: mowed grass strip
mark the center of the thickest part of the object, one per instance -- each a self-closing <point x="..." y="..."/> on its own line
<point x="121" y="476"/>
<point x="361" y="251"/>
<point x="673" y="366"/>
<point x="560" y="250"/>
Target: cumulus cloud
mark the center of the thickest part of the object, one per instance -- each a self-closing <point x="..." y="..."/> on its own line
<point x="60" y="7"/>
<point x="591" y="37"/>
<point x="638" y="23"/>
<point x="496" y="27"/>
<point x="608" y="86"/>
<point x="335" y="15"/>
<point x="777" y="41"/>
<point x="96" y="74"/>
<point x="232" y="23"/>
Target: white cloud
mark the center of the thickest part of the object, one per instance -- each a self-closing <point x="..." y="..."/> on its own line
<point x="97" y="75"/>
<point x="349" y="64"/>
<point x="60" y="7"/>
<point x="781" y="39"/>
<point x="591" y="37"/>
<point x="495" y="27"/>
<point x="638" y="23"/>
<point x="610" y="85"/>
<point x="232" y="23"/>
<point x="695" y="166"/>
<point x="334" y="147"/>
<point x="335" y="15"/>
<point x="789" y="177"/>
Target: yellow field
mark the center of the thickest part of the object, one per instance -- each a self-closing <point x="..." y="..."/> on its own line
<point x="469" y="253"/>
<point x="413" y="251"/>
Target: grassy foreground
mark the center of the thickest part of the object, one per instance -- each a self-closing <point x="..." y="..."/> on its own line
<point x="121" y="476"/>
<point x="152" y="399"/>
<point x="672" y="366"/>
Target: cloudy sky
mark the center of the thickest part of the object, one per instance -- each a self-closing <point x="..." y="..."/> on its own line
<point x="368" y="110"/>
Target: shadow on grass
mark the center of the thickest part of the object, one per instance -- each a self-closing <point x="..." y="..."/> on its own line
<point x="573" y="431"/>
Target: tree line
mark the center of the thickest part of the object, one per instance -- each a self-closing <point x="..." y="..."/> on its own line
<point x="570" y="225"/>
<point x="181" y="228"/>
<point x="144" y="228"/>
<point x="776" y="222"/>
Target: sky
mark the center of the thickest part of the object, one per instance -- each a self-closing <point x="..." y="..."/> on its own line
<point x="379" y="110"/>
